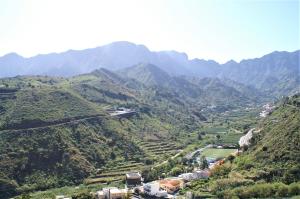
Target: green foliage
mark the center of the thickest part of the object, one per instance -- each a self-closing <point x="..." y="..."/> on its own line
<point x="7" y="188"/>
<point x="203" y="162"/>
<point x="264" y="191"/>
<point x="83" y="195"/>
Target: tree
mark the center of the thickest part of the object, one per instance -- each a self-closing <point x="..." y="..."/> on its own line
<point x="199" y="136"/>
<point x="203" y="163"/>
<point x="113" y="155"/>
<point x="231" y="158"/>
<point x="83" y="195"/>
<point x="8" y="188"/>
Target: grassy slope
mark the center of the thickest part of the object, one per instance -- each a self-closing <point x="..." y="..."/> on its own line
<point x="73" y="136"/>
<point x="271" y="160"/>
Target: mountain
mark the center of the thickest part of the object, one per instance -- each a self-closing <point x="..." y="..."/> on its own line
<point x="147" y="74"/>
<point x="276" y="73"/>
<point x="113" y="56"/>
<point x="200" y="90"/>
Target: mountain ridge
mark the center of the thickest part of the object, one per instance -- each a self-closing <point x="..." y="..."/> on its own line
<point x="276" y="73"/>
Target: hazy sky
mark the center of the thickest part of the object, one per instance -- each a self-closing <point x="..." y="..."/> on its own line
<point x="212" y="29"/>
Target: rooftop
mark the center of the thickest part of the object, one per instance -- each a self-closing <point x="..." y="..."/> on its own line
<point x="133" y="175"/>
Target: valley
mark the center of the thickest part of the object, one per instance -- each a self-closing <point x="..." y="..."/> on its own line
<point x="75" y="135"/>
<point x="143" y="99"/>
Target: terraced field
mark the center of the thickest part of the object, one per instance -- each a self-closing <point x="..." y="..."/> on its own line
<point x="157" y="151"/>
<point x="115" y="172"/>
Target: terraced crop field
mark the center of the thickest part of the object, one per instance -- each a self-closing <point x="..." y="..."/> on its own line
<point x="158" y="149"/>
<point x="115" y="172"/>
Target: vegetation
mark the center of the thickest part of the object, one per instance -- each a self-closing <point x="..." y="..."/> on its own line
<point x="269" y="168"/>
<point x="57" y="132"/>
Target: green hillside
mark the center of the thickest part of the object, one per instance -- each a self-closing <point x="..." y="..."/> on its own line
<point x="58" y="131"/>
<point x="269" y="167"/>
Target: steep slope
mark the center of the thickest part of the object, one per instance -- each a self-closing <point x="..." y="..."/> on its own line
<point x="269" y="167"/>
<point x="56" y="131"/>
<point x="278" y="141"/>
<point x="147" y="74"/>
<point x="203" y="91"/>
<point x="277" y="73"/>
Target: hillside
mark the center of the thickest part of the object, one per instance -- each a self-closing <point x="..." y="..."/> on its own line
<point x="58" y="131"/>
<point x="147" y="74"/>
<point x="269" y="167"/>
<point x="203" y="91"/>
<point x="277" y="144"/>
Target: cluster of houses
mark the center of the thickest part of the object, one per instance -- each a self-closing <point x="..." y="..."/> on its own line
<point x="267" y="109"/>
<point x="163" y="188"/>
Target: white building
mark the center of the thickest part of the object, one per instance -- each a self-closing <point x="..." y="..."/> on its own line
<point x="153" y="189"/>
<point x="112" y="193"/>
<point x="200" y="174"/>
<point x="61" y="197"/>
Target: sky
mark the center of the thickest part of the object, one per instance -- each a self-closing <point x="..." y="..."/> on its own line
<point x="207" y="29"/>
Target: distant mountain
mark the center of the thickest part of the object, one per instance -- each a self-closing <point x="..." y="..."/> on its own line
<point x="147" y="74"/>
<point x="276" y="73"/>
<point x="206" y="90"/>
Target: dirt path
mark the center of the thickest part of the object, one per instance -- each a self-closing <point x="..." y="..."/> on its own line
<point x="56" y="124"/>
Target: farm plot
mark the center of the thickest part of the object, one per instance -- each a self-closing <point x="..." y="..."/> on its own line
<point x="217" y="153"/>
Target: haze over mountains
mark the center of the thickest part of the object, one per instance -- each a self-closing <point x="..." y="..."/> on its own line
<point x="276" y="73"/>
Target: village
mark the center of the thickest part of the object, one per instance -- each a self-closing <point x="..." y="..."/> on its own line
<point x="168" y="187"/>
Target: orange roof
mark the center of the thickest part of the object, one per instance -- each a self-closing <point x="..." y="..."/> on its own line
<point x="170" y="183"/>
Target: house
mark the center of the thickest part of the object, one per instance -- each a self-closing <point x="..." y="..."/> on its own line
<point x="118" y="193"/>
<point x="204" y="174"/>
<point x="133" y="179"/>
<point x="112" y="193"/>
<point x="199" y="174"/>
<point x="100" y="195"/>
<point x="153" y="189"/>
<point x="61" y="197"/>
<point x="121" y="112"/>
<point x="171" y="185"/>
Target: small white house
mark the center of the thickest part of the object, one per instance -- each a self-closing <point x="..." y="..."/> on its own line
<point x="153" y="189"/>
<point x="61" y="197"/>
<point x="200" y="174"/>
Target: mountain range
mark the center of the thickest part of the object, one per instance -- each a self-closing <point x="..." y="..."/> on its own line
<point x="275" y="74"/>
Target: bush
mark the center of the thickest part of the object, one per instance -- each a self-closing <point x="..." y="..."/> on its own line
<point x="263" y="191"/>
<point x="7" y="188"/>
<point x="294" y="189"/>
<point x="83" y="195"/>
<point x="228" y="183"/>
<point x="282" y="190"/>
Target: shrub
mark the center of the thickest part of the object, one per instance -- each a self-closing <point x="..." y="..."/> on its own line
<point x="282" y="190"/>
<point x="294" y="189"/>
<point x="228" y="183"/>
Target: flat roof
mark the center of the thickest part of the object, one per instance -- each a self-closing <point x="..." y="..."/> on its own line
<point x="133" y="175"/>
